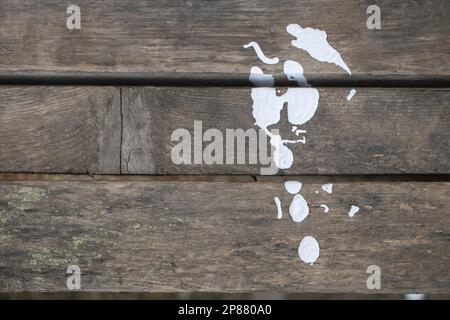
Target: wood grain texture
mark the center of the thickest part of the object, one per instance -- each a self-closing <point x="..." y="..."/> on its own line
<point x="380" y="131"/>
<point x="60" y="129"/>
<point x="221" y="237"/>
<point x="203" y="39"/>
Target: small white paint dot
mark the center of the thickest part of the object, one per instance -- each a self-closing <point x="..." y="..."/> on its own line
<point x="353" y="210"/>
<point x="298" y="209"/>
<point x="328" y="187"/>
<point x="293" y="187"/>
<point x="309" y="250"/>
<point x="351" y="94"/>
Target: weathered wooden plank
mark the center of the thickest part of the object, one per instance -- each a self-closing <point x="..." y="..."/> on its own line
<point x="224" y="237"/>
<point x="201" y="39"/>
<point x="380" y="131"/>
<point x="60" y="129"/>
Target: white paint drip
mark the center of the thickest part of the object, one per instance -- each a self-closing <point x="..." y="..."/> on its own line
<point x="314" y="41"/>
<point x="266" y="108"/>
<point x="328" y="187"/>
<point x="293" y="187"/>
<point x="280" y="211"/>
<point x="325" y="207"/>
<point x="259" y="78"/>
<point x="353" y="211"/>
<point x="294" y="129"/>
<point x="298" y="209"/>
<point x="309" y="250"/>
<point x="260" y="54"/>
<point x="294" y="72"/>
<point x="351" y="94"/>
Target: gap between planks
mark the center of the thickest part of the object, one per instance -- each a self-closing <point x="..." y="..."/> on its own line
<point x="218" y="80"/>
<point x="227" y="178"/>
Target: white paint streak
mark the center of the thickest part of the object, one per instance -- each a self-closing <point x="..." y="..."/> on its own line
<point x="293" y="187"/>
<point x="351" y="94"/>
<point x="325" y="207"/>
<point x="314" y="41"/>
<point x="328" y="187"/>
<point x="353" y="211"/>
<point x="259" y="78"/>
<point x="309" y="250"/>
<point x="298" y="209"/>
<point x="294" y="72"/>
<point x="279" y="210"/>
<point x="260" y="54"/>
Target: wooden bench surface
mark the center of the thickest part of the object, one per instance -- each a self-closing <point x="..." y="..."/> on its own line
<point x="108" y="130"/>
<point x="203" y="41"/>
<point x="87" y="178"/>
<point x="219" y="236"/>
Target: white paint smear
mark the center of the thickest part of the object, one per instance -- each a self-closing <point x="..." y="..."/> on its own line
<point x="353" y="211"/>
<point x="325" y="208"/>
<point x="294" y="72"/>
<point x="298" y="209"/>
<point x="293" y="187"/>
<point x="278" y="203"/>
<point x="259" y="78"/>
<point x="309" y="250"/>
<point x="314" y="41"/>
<point x="351" y="94"/>
<point x="260" y="54"/>
<point x="328" y="188"/>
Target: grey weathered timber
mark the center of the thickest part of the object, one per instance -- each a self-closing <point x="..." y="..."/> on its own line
<point x="222" y="237"/>
<point x="60" y="129"/>
<point x="380" y="131"/>
<point x="170" y="40"/>
<point x="53" y="129"/>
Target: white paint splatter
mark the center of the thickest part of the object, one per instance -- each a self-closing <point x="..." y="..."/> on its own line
<point x="302" y="104"/>
<point x="259" y="78"/>
<point x="294" y="72"/>
<point x="314" y="41"/>
<point x="294" y="128"/>
<point x="298" y="209"/>
<point x="351" y="94"/>
<point x="328" y="187"/>
<point x="293" y="187"/>
<point x="260" y="54"/>
<point x="266" y="108"/>
<point x="316" y="192"/>
<point x="279" y="210"/>
<point x="282" y="156"/>
<point x="325" y="207"/>
<point x="353" y="211"/>
<point x="309" y="250"/>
